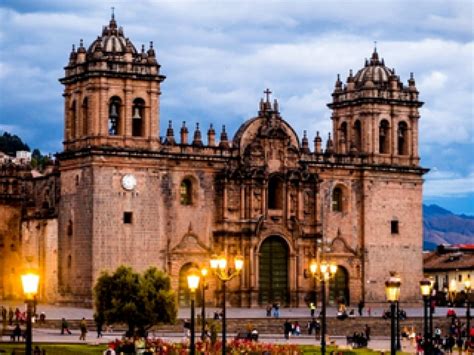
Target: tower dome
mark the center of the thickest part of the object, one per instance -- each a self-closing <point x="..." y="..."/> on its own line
<point x="374" y="72"/>
<point x="112" y="40"/>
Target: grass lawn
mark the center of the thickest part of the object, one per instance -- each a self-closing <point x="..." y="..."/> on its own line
<point x="82" y="349"/>
<point x="57" y="349"/>
<point x="311" y="349"/>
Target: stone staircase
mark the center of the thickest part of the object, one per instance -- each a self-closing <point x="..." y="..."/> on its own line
<point x="379" y="326"/>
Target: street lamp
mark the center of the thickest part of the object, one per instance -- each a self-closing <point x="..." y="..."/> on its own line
<point x="467" y="288"/>
<point x="30" y="283"/>
<point x="193" y="284"/>
<point x="392" y="293"/>
<point x="425" y="289"/>
<point x="219" y="266"/>
<point x="204" y="272"/>
<point x="431" y="304"/>
<point x="322" y="272"/>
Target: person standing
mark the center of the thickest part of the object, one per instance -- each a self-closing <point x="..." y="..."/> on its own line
<point x="287" y="328"/>
<point x="10" y="316"/>
<point x="312" y="308"/>
<point x="367" y="332"/>
<point x="361" y="306"/>
<point x="83" y="328"/>
<point x="4" y="317"/>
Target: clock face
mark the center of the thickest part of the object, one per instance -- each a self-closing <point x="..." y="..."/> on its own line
<point x="129" y="182"/>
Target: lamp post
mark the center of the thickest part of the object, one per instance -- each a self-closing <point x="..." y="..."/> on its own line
<point x="219" y="266"/>
<point x="431" y="300"/>
<point x="392" y="292"/>
<point x="30" y="283"/>
<point x="193" y="284"/>
<point x="425" y="289"/>
<point x="467" y="288"/>
<point x="323" y="272"/>
<point x="204" y="272"/>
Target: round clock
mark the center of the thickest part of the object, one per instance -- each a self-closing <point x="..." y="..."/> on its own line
<point x="129" y="182"/>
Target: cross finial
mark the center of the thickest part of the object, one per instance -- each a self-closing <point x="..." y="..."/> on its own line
<point x="113" y="14"/>
<point x="267" y="93"/>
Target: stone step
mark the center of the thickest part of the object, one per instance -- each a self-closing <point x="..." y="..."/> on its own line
<point x="379" y="326"/>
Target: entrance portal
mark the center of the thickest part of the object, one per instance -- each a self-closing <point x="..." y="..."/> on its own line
<point x="273" y="271"/>
<point x="184" y="295"/>
<point x="339" y="287"/>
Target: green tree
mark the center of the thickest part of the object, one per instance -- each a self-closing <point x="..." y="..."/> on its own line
<point x="140" y="301"/>
<point x="11" y="143"/>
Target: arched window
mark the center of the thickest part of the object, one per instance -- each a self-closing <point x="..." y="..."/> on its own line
<point x="275" y="193"/>
<point x="114" y="115"/>
<point x="358" y="136"/>
<point x="402" y="138"/>
<point x="73" y="122"/>
<point x="186" y="192"/>
<point x="85" y="116"/>
<point x="383" y="137"/>
<point x="137" y="118"/>
<point x="337" y="199"/>
<point x="343" y="129"/>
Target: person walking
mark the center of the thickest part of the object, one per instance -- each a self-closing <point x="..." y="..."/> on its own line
<point x="64" y="326"/>
<point x="83" y="328"/>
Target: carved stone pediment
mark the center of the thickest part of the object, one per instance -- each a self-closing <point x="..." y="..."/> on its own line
<point x="339" y="245"/>
<point x="190" y="244"/>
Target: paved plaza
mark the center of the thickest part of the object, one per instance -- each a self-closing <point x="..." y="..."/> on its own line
<point x="58" y="312"/>
<point x="74" y="313"/>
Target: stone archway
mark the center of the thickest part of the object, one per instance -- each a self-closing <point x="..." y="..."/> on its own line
<point x="184" y="296"/>
<point x="339" y="287"/>
<point x="274" y="261"/>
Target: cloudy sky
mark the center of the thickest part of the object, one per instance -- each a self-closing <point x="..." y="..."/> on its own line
<point x="219" y="56"/>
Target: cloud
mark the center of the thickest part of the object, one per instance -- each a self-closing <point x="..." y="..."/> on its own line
<point x="447" y="183"/>
<point x="220" y="56"/>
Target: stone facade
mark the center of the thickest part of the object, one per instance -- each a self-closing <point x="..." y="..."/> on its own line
<point x="125" y="196"/>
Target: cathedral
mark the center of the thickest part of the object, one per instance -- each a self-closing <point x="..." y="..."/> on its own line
<point x="118" y="194"/>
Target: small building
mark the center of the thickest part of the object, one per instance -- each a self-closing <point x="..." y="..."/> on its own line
<point x="450" y="266"/>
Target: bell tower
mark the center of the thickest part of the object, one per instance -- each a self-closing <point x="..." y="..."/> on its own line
<point x="111" y="94"/>
<point x="376" y="116"/>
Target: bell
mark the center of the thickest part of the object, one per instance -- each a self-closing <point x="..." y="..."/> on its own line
<point x="113" y="111"/>
<point x="136" y="114"/>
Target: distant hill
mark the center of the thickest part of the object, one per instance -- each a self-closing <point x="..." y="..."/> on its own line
<point x="441" y="226"/>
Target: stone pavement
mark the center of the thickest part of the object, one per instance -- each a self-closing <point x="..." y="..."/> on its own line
<point x="58" y="312"/>
<point x="53" y="336"/>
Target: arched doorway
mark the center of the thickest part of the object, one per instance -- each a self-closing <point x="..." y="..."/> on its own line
<point x="184" y="296"/>
<point x="273" y="271"/>
<point x="339" y="287"/>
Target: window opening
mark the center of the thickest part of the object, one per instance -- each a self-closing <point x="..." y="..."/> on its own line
<point x="137" y="118"/>
<point x="114" y="116"/>
<point x="185" y="192"/>
<point x="127" y="217"/>
<point x="402" y="138"/>
<point x="358" y="136"/>
<point x="275" y="193"/>
<point x="383" y="137"/>
<point x="394" y="226"/>
<point x="337" y="199"/>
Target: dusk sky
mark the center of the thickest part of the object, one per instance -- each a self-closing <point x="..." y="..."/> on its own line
<point x="219" y="56"/>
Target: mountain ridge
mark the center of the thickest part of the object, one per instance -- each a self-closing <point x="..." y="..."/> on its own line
<point x="441" y="226"/>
